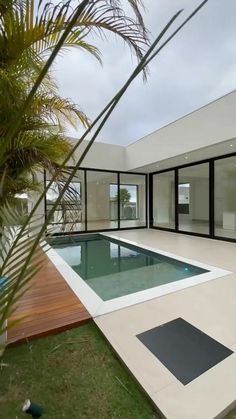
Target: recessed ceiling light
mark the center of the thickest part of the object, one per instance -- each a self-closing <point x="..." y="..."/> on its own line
<point x="186" y="157"/>
<point x="231" y="145"/>
<point x="157" y="165"/>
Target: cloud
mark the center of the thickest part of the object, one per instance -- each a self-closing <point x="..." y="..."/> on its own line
<point x="198" y="66"/>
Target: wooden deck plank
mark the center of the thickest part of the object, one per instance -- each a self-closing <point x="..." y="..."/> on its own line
<point x="50" y="306"/>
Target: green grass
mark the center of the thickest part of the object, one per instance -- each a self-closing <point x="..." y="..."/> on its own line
<point x="231" y="415"/>
<point x="73" y="375"/>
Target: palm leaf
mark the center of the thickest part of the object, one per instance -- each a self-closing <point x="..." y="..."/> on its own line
<point x="43" y="32"/>
<point x="25" y="266"/>
<point x="23" y="38"/>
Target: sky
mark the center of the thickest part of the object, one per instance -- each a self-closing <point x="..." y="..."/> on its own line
<point x="197" y="67"/>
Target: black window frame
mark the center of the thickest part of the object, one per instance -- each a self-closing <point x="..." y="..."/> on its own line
<point x="211" y="162"/>
<point x="86" y="230"/>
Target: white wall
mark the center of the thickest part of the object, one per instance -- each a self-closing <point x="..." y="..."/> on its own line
<point x="98" y="204"/>
<point x="102" y="156"/>
<point x="225" y="197"/>
<point x="98" y="195"/>
<point x="163" y="200"/>
<point x="209" y="125"/>
<point x="199" y="199"/>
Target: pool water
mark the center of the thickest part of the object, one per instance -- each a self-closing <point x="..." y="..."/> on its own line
<point x="113" y="268"/>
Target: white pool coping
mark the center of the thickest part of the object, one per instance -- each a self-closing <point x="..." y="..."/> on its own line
<point x="97" y="307"/>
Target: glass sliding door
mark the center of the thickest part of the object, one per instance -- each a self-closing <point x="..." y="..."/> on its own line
<point x="102" y="198"/>
<point x="193" y="199"/>
<point x="132" y="200"/>
<point x="98" y="200"/>
<point x="206" y="198"/>
<point x="164" y="200"/>
<point x="70" y="213"/>
<point x="225" y="197"/>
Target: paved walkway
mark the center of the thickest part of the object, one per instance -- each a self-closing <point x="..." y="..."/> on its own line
<point x="210" y="307"/>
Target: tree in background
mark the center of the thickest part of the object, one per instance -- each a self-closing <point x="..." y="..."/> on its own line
<point x="27" y="35"/>
<point x="124" y="200"/>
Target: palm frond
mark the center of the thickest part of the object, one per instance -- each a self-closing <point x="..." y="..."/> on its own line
<point x="14" y="284"/>
<point x="28" y="264"/>
<point x="25" y="156"/>
<point x="23" y="34"/>
<point x="58" y="110"/>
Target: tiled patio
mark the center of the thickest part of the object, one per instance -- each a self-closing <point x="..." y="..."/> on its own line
<point x="210" y="307"/>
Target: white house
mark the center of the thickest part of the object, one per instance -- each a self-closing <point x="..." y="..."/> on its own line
<point x="181" y="177"/>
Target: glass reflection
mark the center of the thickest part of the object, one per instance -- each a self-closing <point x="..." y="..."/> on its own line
<point x="164" y="200"/>
<point x="132" y="200"/>
<point x="193" y="199"/>
<point x="225" y="197"/>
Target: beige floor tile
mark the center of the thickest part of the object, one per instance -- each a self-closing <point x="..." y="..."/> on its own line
<point x="210" y="306"/>
<point x="204" y="398"/>
<point x="150" y="373"/>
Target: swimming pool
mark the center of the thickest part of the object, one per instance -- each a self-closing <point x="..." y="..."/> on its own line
<point x="114" y="269"/>
<point x="108" y="274"/>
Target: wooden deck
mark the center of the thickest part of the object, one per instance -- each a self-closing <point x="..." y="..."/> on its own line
<point x="50" y="306"/>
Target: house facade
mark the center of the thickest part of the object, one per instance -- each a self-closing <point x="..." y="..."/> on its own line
<point x="180" y="178"/>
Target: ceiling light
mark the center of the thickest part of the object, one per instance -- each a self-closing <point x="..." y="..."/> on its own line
<point x="186" y="157"/>
<point x="231" y="145"/>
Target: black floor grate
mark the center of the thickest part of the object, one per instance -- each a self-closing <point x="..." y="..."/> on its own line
<point x="186" y="351"/>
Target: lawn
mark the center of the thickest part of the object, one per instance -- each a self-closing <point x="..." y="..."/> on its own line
<point x="231" y="415"/>
<point x="73" y="375"/>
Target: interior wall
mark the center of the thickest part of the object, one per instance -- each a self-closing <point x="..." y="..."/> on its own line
<point x="140" y="182"/>
<point x="141" y="203"/>
<point x="225" y="194"/>
<point x="163" y="200"/>
<point x="199" y="199"/>
<point x="98" y="204"/>
<point x="98" y="194"/>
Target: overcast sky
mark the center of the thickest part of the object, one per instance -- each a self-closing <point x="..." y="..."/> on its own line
<point x="198" y="66"/>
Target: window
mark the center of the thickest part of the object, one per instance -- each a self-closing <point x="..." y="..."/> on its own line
<point x="132" y="200"/>
<point x="91" y="201"/>
<point x="102" y="191"/>
<point x="128" y="202"/>
<point x="184" y="198"/>
<point x="69" y="215"/>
